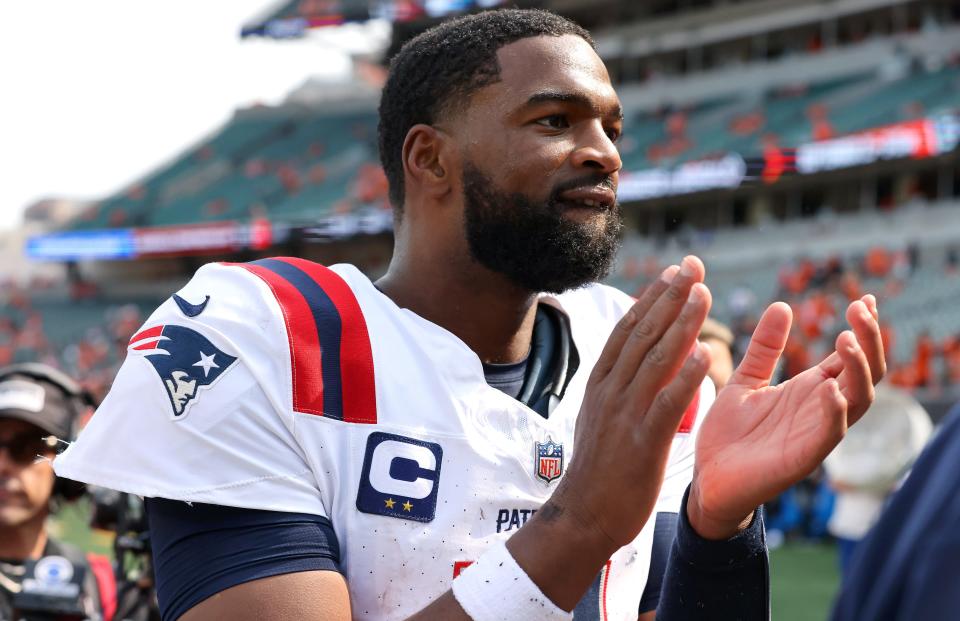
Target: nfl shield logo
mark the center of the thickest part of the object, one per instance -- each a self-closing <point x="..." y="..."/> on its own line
<point x="548" y="460"/>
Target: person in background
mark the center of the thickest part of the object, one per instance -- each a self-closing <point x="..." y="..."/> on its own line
<point x="40" y="576"/>
<point x="720" y="339"/>
<point x="906" y="566"/>
<point x="869" y="463"/>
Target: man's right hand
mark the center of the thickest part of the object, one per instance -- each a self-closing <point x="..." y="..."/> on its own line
<point x="646" y="376"/>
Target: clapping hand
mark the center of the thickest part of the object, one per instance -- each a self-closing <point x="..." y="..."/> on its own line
<point x="758" y="439"/>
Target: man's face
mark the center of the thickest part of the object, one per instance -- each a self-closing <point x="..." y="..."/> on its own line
<point x="25" y="483"/>
<point x="540" y="167"/>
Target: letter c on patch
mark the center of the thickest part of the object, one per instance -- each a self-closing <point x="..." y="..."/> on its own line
<point x="383" y="464"/>
<point x="400" y="477"/>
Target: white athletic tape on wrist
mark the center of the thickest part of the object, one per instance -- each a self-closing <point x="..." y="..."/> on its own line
<point x="495" y="588"/>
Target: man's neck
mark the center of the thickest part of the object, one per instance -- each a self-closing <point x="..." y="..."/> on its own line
<point x="24" y="541"/>
<point x="487" y="312"/>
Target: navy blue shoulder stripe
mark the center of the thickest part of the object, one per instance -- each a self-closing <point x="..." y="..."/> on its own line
<point x="331" y="358"/>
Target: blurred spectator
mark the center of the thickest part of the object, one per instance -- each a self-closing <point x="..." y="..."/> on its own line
<point x="878" y="262"/>
<point x="720" y="339"/>
<point x="951" y="357"/>
<point x="796" y="354"/>
<point x="749" y="123"/>
<point x="850" y="285"/>
<point x="677" y="141"/>
<point x="370" y="184"/>
<point x="952" y="260"/>
<point x="869" y="462"/>
<point x="821" y="128"/>
<point x="40" y="407"/>
<point x="923" y="361"/>
<point x="801" y="511"/>
<point x="906" y="567"/>
<point x="888" y="336"/>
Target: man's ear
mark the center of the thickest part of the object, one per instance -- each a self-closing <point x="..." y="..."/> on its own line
<point x="425" y="161"/>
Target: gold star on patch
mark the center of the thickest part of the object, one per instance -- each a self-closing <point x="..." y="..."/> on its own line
<point x="389" y="502"/>
<point x="407" y="506"/>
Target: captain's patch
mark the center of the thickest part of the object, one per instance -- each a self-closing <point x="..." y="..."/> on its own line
<point x="400" y="477"/>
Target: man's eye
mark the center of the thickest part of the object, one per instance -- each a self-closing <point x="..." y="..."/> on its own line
<point x="614" y="134"/>
<point x="555" y="121"/>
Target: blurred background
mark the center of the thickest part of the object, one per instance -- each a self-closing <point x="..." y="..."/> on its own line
<point x="805" y="149"/>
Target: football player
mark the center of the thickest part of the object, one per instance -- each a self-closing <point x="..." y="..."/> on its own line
<point x="485" y="432"/>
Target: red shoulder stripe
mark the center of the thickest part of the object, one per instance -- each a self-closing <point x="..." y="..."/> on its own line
<point x="356" y="356"/>
<point x="305" y="362"/>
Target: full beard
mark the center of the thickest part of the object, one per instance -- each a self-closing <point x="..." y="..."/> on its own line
<point x="531" y="243"/>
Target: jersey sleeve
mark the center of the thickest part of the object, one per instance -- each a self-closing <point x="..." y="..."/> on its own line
<point x="200" y="410"/>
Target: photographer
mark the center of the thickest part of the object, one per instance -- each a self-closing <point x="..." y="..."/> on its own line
<point x="41" y="577"/>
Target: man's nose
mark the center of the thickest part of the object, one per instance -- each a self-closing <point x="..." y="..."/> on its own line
<point x="597" y="151"/>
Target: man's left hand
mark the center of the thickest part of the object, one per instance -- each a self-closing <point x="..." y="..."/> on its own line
<point x="758" y="439"/>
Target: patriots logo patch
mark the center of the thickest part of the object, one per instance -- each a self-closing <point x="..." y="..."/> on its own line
<point x="185" y="360"/>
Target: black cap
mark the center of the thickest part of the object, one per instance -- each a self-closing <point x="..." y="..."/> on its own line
<point x="37" y="402"/>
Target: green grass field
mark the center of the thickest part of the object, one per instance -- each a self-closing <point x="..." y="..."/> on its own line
<point x="71" y="524"/>
<point x="803" y="581"/>
<point x="803" y="576"/>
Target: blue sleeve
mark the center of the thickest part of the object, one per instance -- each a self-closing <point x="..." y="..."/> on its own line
<point x="716" y="579"/>
<point x="664" y="532"/>
<point x="200" y="550"/>
<point x="907" y="565"/>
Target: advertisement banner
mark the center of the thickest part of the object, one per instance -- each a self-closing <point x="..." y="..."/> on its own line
<point x="79" y="245"/>
<point x="188" y="239"/>
<point x="916" y="139"/>
<point x="726" y="172"/>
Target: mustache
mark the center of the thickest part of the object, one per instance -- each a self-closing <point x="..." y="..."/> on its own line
<point x="587" y="181"/>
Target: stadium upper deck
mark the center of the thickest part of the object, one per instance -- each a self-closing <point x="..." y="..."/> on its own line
<point x="297" y="165"/>
<point x="870" y="63"/>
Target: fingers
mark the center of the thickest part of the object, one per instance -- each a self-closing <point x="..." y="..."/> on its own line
<point x="765" y="347"/>
<point x="871" y="301"/>
<point x="832" y="365"/>
<point x="624" y="328"/>
<point x="862" y="317"/>
<point x="666" y="356"/>
<point x="855" y="381"/>
<point x="670" y="404"/>
<point x="645" y="302"/>
<point x="833" y="409"/>
<point x="651" y="327"/>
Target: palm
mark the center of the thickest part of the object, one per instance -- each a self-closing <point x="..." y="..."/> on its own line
<point x="781" y="431"/>
<point x="759" y="439"/>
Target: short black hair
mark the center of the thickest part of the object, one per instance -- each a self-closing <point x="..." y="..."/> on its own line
<point x="444" y="66"/>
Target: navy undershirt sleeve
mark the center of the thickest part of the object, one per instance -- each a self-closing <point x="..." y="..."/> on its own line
<point x="200" y="550"/>
<point x="664" y="531"/>
<point x="718" y="580"/>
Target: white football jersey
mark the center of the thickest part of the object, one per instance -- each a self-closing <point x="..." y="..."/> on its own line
<point x="287" y="386"/>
